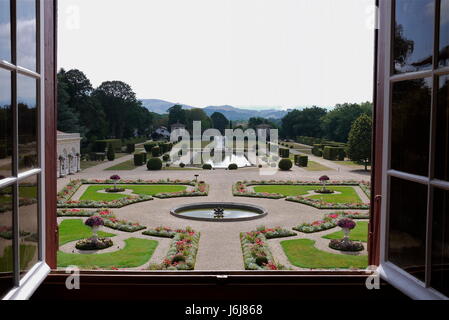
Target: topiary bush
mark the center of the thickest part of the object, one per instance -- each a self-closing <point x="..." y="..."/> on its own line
<point x="139" y="159"/>
<point x="154" y="164"/>
<point x="334" y="153"/>
<point x="301" y="160"/>
<point x="182" y="165"/>
<point x="285" y="164"/>
<point x="166" y="157"/>
<point x="130" y="148"/>
<point x="207" y="166"/>
<point x="284" y="153"/>
<point x="156" y="151"/>
<point x="233" y="166"/>
<point x="111" y="153"/>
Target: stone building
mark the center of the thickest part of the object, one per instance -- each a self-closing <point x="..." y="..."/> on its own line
<point x="69" y="156"/>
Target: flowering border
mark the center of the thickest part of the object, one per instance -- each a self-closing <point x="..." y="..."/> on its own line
<point x="329" y="221"/>
<point x="64" y="196"/>
<point x="253" y="242"/>
<point x="327" y="205"/>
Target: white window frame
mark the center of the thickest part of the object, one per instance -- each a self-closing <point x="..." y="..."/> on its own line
<point x="405" y="282"/>
<point x="26" y="286"/>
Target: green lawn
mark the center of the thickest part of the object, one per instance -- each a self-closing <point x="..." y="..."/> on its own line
<point x="72" y="230"/>
<point x="127" y="165"/>
<point x="302" y="253"/>
<point x="352" y="164"/>
<point x="27" y="253"/>
<point x="92" y="194"/>
<point x="348" y="194"/>
<point x="136" y="253"/>
<point x="315" y="166"/>
<point x="359" y="233"/>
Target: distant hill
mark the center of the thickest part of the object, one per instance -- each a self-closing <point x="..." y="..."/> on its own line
<point x="230" y="112"/>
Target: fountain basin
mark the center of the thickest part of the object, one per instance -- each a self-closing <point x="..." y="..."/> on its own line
<point x="232" y="212"/>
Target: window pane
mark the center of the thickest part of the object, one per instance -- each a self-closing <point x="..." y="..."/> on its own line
<point x="442" y="131"/>
<point x="28" y="223"/>
<point x="413" y="38"/>
<point x="410" y="126"/>
<point x="5" y="30"/>
<point x="444" y="33"/>
<point x="440" y="242"/>
<point x="5" y="124"/>
<point x="407" y="226"/>
<point x="26" y="34"/>
<point x="27" y="114"/>
<point x="6" y="241"/>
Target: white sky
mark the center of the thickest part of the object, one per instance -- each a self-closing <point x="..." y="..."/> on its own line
<point x="282" y="53"/>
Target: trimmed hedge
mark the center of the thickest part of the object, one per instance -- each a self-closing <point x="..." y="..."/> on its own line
<point x="233" y="166"/>
<point x="139" y="159"/>
<point x="166" y="157"/>
<point x="285" y="164"/>
<point x="301" y="160"/>
<point x="101" y="145"/>
<point x="130" y="148"/>
<point x="110" y="154"/>
<point x="284" y="153"/>
<point x="149" y="146"/>
<point x="334" y="153"/>
<point x="207" y="167"/>
<point x="154" y="164"/>
<point x="156" y="151"/>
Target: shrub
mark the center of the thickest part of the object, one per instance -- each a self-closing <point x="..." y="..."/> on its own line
<point x="182" y="165"/>
<point x="233" y="166"/>
<point x="139" y="159"/>
<point x="284" y="153"/>
<point x="156" y="151"/>
<point x="166" y="157"/>
<point x="130" y="148"/>
<point x="100" y="145"/>
<point x="342" y="245"/>
<point x="301" y="160"/>
<point x="207" y="166"/>
<point x="285" y="164"/>
<point x="154" y="164"/>
<point x="334" y="153"/>
<point x="111" y="153"/>
<point x="149" y="146"/>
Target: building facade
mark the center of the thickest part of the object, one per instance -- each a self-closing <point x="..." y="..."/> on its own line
<point x="69" y="156"/>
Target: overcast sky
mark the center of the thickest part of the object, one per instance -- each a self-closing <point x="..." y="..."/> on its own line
<point x="283" y="53"/>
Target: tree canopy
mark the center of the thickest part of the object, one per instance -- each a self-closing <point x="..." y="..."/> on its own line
<point x="360" y="136"/>
<point x="220" y="122"/>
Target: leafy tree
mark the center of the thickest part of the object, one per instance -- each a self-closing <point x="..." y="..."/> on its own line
<point x="337" y="123"/>
<point x="176" y="114"/>
<point x="68" y="119"/>
<point x="256" y="121"/>
<point x="110" y="152"/>
<point x="306" y="122"/>
<point x="197" y="115"/>
<point x="359" y="146"/>
<point x="219" y="121"/>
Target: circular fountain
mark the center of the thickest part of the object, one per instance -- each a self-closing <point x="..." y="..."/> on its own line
<point x="219" y="212"/>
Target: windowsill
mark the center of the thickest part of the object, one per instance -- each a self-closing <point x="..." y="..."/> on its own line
<point x="30" y="282"/>
<point x="407" y="283"/>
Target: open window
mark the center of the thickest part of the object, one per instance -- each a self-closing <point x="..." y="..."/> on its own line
<point x="414" y="104"/>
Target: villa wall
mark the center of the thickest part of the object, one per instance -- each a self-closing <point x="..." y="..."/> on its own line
<point x="68" y="153"/>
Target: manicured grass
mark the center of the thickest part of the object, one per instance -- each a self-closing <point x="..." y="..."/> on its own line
<point x="359" y="233"/>
<point x="127" y="165"/>
<point x="72" y="230"/>
<point x="89" y="164"/>
<point x="302" y="253"/>
<point x="136" y="253"/>
<point x="348" y="194"/>
<point x="150" y="190"/>
<point x="315" y="166"/>
<point x="27" y="253"/>
<point x="352" y="164"/>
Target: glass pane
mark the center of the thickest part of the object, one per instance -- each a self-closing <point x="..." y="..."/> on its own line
<point x="27" y="114"/>
<point x="5" y="30"/>
<point x="26" y="34"/>
<point x="6" y="241"/>
<point x="5" y="124"/>
<point x="413" y="38"/>
<point x="410" y="126"/>
<point x="28" y="223"/>
<point x="440" y="242"/>
<point x="444" y="33"/>
<point x="442" y="131"/>
<point x="407" y="226"/>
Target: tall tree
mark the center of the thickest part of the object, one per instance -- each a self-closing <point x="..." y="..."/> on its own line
<point x="219" y="121"/>
<point x="306" y="122"/>
<point x="359" y="145"/>
<point x="176" y="114"/>
<point x="197" y="114"/>
<point x="68" y="119"/>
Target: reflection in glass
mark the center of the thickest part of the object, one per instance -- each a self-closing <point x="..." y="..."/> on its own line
<point x="410" y="126"/>
<point x="27" y="116"/>
<point x="440" y="242"/>
<point x="6" y="241"/>
<point x="413" y="38"/>
<point x="442" y="131"/>
<point x="28" y="223"/>
<point x="407" y="226"/>
<point x="26" y="34"/>
<point x="5" y="124"/>
<point x="5" y="30"/>
<point x="444" y="34"/>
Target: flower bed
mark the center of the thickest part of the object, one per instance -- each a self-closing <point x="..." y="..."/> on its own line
<point x="82" y="213"/>
<point x="91" y="244"/>
<point x="350" y="215"/>
<point x="162" y="232"/>
<point x="63" y="198"/>
<point x="327" y="205"/>
<point x="317" y="226"/>
<point x="276" y="232"/>
<point x="182" y="252"/>
<point x="240" y="189"/>
<point x="342" y="245"/>
<point x="256" y="253"/>
<point x="201" y="190"/>
<point x="122" y="225"/>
